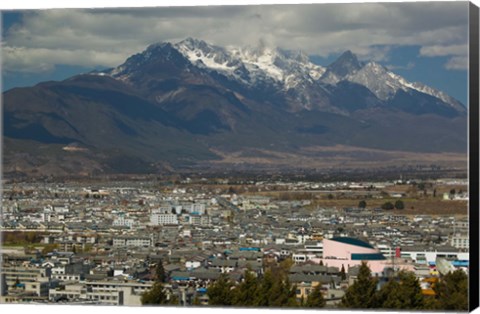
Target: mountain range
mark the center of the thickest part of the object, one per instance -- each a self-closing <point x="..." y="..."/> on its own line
<point x="194" y="104"/>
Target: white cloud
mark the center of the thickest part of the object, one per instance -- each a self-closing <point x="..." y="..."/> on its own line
<point x="42" y="59"/>
<point x="410" y="65"/>
<point x="437" y="50"/>
<point x="107" y="37"/>
<point x="458" y="55"/>
<point x="457" y="63"/>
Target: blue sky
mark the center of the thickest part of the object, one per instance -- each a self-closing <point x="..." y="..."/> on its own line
<point x="425" y="42"/>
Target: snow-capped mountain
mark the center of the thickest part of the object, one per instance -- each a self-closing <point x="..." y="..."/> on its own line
<point x="192" y="103"/>
<point x="379" y="80"/>
<point x="305" y="85"/>
<point x="251" y="65"/>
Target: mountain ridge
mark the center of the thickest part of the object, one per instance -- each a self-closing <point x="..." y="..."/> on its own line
<point x="179" y="104"/>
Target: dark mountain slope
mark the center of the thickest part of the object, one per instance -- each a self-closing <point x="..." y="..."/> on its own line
<point x="179" y="105"/>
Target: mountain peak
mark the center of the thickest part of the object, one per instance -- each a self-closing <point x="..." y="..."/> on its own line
<point x="192" y="43"/>
<point x="346" y="64"/>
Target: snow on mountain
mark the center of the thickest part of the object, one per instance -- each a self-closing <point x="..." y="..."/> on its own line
<point x="378" y="79"/>
<point x="290" y="71"/>
<point x="252" y="64"/>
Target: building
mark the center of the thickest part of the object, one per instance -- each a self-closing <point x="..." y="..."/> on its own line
<point x="460" y="240"/>
<point x="121" y="221"/>
<point x="132" y="241"/>
<point x="349" y="252"/>
<point x="158" y="218"/>
<point x="424" y="255"/>
<point x="15" y="275"/>
<point x="102" y="292"/>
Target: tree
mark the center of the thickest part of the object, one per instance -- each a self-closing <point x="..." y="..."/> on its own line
<point x="387" y="206"/>
<point x="160" y="275"/>
<point x="220" y="292"/>
<point x="245" y="293"/>
<point x="315" y="298"/>
<point x="283" y="294"/>
<point x="362" y="204"/>
<point x="361" y="294"/>
<point x="49" y="248"/>
<point x="264" y="289"/>
<point x="402" y="292"/>
<point x="196" y="301"/>
<point x="399" y="204"/>
<point x="155" y="296"/>
<point x="343" y="275"/>
<point x="285" y="266"/>
<point x="452" y="291"/>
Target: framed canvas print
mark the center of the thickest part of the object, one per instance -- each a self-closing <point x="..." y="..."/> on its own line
<point x="306" y="156"/>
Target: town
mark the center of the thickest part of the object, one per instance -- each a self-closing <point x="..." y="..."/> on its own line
<point x="107" y="242"/>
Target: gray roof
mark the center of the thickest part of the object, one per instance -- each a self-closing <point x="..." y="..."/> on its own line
<point x="294" y="278"/>
<point x="224" y="263"/>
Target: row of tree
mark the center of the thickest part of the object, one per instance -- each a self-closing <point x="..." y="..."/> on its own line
<point x="273" y="289"/>
<point x="267" y="291"/>
<point x="386" y="206"/>
<point x="389" y="205"/>
<point x="403" y="291"/>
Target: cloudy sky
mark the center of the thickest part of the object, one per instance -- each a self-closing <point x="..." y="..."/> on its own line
<point x="425" y="42"/>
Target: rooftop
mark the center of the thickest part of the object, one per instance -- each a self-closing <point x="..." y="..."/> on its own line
<point x="352" y="241"/>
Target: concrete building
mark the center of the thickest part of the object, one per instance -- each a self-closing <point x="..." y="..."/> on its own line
<point x="157" y="219"/>
<point x="460" y="240"/>
<point x="140" y="241"/>
<point x="349" y="252"/>
<point x="116" y="292"/>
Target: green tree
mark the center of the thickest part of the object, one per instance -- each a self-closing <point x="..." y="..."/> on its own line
<point x="264" y="289"/>
<point x="197" y="301"/>
<point x="362" y="204"/>
<point x="362" y="293"/>
<point x="402" y="292"/>
<point x="399" y="204"/>
<point x="343" y="275"/>
<point x="284" y="267"/>
<point x="315" y="298"/>
<point x="452" y="291"/>
<point x="220" y="292"/>
<point x="387" y="206"/>
<point x="173" y="300"/>
<point x="49" y="248"/>
<point x="288" y="296"/>
<point x="155" y="296"/>
<point x="160" y="275"/>
<point x="245" y="292"/>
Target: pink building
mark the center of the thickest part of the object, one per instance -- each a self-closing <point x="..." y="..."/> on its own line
<point x="351" y="252"/>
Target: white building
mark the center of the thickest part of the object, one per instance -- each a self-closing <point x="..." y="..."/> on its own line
<point x="132" y="241"/>
<point x="424" y="255"/>
<point x="122" y="221"/>
<point x="158" y="219"/>
<point x="460" y="240"/>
